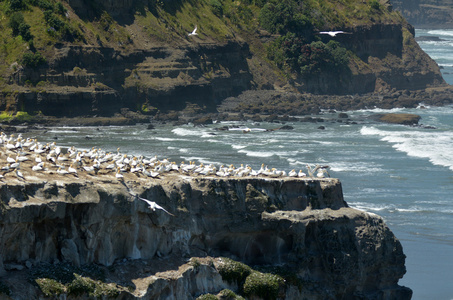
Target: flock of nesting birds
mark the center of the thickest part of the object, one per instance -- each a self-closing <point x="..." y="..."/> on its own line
<point x="50" y="158"/>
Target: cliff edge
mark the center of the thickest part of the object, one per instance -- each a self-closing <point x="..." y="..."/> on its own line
<point x="297" y="234"/>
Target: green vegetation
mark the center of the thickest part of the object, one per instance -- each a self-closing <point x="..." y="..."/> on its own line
<point x="54" y="280"/>
<point x="251" y="282"/>
<point x="234" y="271"/>
<point x="229" y="295"/>
<point x="264" y="285"/>
<point x="33" y="60"/>
<point x="207" y="297"/>
<point x="20" y="116"/>
<point x="32" y="28"/>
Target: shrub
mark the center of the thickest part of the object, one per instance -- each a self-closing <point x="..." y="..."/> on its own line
<point x="17" y="4"/>
<point x="60" y="9"/>
<point x="33" y="60"/>
<point x="374" y="4"/>
<point x="227" y="294"/>
<point x="15" y="21"/>
<point x="207" y="297"/>
<point x="264" y="285"/>
<point x="50" y="287"/>
<point x="216" y="7"/>
<point x="233" y="271"/>
<point x="282" y="16"/>
<point x="24" y="31"/>
<point x="81" y="285"/>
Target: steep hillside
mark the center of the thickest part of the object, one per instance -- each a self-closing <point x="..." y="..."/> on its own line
<point x="94" y="57"/>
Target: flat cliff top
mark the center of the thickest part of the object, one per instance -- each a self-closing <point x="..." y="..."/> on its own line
<point x="60" y="173"/>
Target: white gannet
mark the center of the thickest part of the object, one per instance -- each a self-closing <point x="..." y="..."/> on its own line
<point x="10" y="160"/>
<point x="153" y="205"/>
<point x="118" y="174"/>
<point x="62" y="171"/>
<point x="19" y="174"/>
<point x="194" y="32"/>
<point x="334" y="33"/>
<point x="72" y="170"/>
<point x="301" y="174"/>
<point x="39" y="167"/>
<point x="292" y="173"/>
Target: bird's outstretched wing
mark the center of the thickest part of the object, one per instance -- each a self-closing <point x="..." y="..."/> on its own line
<point x="194" y="32"/>
<point x="153" y="205"/>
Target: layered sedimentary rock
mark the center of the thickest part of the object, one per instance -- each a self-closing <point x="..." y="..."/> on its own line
<point x="303" y="225"/>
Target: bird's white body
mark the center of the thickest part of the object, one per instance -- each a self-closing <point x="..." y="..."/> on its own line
<point x="194" y="32"/>
<point x="333" y="33"/>
<point x="153" y="205"/>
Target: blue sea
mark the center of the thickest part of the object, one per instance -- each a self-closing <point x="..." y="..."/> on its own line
<point x="402" y="173"/>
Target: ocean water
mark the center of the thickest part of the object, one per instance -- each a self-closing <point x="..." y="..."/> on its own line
<point x="441" y="51"/>
<point x="404" y="174"/>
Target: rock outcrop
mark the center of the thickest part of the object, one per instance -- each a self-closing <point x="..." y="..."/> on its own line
<point x="301" y="225"/>
<point x="427" y="13"/>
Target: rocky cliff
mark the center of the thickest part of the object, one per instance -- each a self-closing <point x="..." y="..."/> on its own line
<point x="122" y="54"/>
<point x="427" y="13"/>
<point x="326" y="249"/>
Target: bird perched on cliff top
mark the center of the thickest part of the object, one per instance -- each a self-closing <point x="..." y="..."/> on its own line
<point x="334" y="33"/>
<point x="194" y="32"/>
<point x="153" y="205"/>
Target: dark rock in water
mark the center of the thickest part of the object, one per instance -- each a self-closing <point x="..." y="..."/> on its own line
<point x="256" y="118"/>
<point x="429" y="127"/>
<point x="321" y="127"/>
<point x="403" y="119"/>
<point x="205" y="120"/>
<point x="271" y="118"/>
<point x="150" y="126"/>
<point x="343" y="115"/>
<point x="286" y="127"/>
<point x="223" y="128"/>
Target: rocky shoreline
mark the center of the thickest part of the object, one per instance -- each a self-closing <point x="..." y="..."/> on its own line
<point x="255" y="105"/>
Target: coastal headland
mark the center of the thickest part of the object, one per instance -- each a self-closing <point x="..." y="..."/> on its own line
<point x="89" y="234"/>
<point x="105" y="58"/>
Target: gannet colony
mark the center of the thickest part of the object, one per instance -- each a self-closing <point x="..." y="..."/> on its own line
<point x="24" y="158"/>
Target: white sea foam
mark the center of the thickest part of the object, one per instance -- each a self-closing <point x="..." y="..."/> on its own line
<point x="165" y="139"/>
<point x="437" y="146"/>
<point x="238" y="146"/>
<point x="191" y="132"/>
<point x="356" y="167"/>
<point x="257" y="153"/>
<point x="441" y="32"/>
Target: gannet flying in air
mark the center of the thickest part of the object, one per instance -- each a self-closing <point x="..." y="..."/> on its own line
<point x="333" y="33"/>
<point x="153" y="205"/>
<point x="194" y="32"/>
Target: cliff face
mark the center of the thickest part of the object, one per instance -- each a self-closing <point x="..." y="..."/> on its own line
<point x="96" y="80"/>
<point x="301" y="225"/>
<point x="427" y="13"/>
<point x="143" y="60"/>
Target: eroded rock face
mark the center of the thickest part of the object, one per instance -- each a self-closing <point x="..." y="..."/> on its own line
<point x="303" y="224"/>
